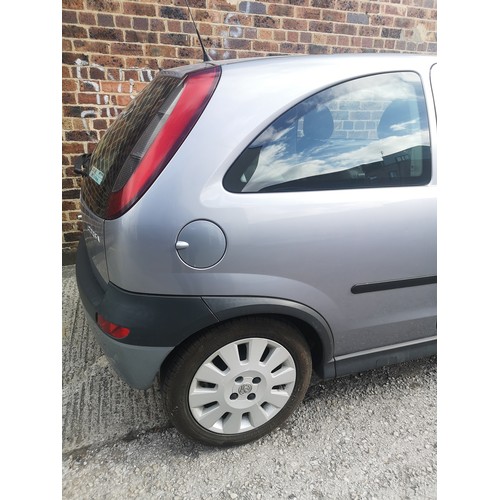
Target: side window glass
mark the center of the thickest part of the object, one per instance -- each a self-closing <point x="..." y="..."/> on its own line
<point x="368" y="132"/>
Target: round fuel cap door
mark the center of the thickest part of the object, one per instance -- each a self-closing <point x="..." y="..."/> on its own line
<point x="201" y="244"/>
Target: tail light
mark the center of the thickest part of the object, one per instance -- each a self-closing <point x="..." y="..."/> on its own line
<point x="162" y="139"/>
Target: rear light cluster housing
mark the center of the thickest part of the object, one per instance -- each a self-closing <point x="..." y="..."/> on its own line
<point x="162" y="138"/>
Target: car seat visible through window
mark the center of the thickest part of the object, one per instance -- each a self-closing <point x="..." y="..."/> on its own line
<point x="317" y="128"/>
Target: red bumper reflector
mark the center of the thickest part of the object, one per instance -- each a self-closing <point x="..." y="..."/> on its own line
<point x="115" y="331"/>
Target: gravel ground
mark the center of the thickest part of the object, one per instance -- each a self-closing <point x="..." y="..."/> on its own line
<point x="370" y="436"/>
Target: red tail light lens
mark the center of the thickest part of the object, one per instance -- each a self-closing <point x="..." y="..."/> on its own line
<point x="112" y="329"/>
<point x="197" y="91"/>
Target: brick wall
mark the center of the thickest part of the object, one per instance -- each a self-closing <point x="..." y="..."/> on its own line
<point x="111" y="49"/>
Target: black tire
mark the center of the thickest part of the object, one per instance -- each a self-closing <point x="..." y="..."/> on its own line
<point x="249" y="396"/>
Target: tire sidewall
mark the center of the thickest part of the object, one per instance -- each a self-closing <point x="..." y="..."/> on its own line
<point x="178" y="381"/>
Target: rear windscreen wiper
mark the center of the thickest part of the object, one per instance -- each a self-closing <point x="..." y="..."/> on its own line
<point x="81" y="164"/>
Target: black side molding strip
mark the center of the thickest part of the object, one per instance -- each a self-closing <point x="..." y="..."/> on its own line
<point x="391" y="285"/>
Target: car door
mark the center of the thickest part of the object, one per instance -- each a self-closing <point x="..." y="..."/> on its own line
<point x="340" y="201"/>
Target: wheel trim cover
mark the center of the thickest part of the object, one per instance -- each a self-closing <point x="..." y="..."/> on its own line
<point x="242" y="386"/>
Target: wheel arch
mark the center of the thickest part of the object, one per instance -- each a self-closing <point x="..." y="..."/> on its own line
<point x="309" y="322"/>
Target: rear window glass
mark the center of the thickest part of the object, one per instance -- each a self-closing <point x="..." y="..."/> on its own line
<point x="119" y="140"/>
<point x="368" y="132"/>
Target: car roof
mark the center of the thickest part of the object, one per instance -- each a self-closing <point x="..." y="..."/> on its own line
<point x="377" y="61"/>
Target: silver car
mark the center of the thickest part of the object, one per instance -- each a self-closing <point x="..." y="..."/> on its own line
<point x="249" y="222"/>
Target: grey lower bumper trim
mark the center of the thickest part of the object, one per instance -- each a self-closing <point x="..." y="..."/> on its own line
<point x="136" y="365"/>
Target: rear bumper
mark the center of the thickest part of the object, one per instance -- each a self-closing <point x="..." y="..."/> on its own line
<point x="157" y="323"/>
<point x="136" y="365"/>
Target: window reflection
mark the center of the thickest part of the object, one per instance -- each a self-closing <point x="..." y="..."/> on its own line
<point x="369" y="132"/>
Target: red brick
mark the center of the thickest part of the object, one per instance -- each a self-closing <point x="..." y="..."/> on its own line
<point x="381" y="20"/>
<point x="127" y="49"/>
<point x="348" y="5"/>
<point x="123" y="100"/>
<point x="73" y="4"/>
<point x="321" y="26"/>
<point x="68" y="183"/>
<point x="205" y="29"/>
<point x="139" y="9"/>
<point x="67" y="46"/>
<point x="292" y="48"/>
<point x="345" y="29"/>
<point x="141" y="62"/>
<point x="295" y="24"/>
<point x="395" y="10"/>
<point x="103" y="5"/>
<point x="105" y="60"/>
<point x="89" y="86"/>
<point x="305" y="37"/>
<point x="69" y="16"/>
<point x="331" y="40"/>
<point x="323" y="4"/>
<point x="264" y="34"/>
<point x="266" y="22"/>
<point x="68" y="98"/>
<point x="112" y="87"/>
<point x="140" y="23"/>
<point x="369" y="7"/>
<point x="123" y="21"/>
<point x="418" y="13"/>
<point x="101" y="124"/>
<point x="105" y="20"/>
<point x="265" y="46"/>
<point x="188" y="53"/>
<point x="87" y="18"/>
<point x="280" y="10"/>
<point x="280" y="35"/>
<point x="157" y="25"/>
<point x="72" y="57"/>
<point x="106" y="34"/>
<point x="91" y="46"/>
<point x="174" y="26"/>
<point x="169" y="63"/>
<point x="371" y="31"/>
<point x="159" y="51"/>
<point x="72" y="148"/>
<point x="69" y="205"/>
<point x="69" y="85"/>
<point x="306" y="13"/>
<point x="343" y="40"/>
<point x="333" y="15"/>
<point x="141" y="37"/>
<point x="87" y="98"/>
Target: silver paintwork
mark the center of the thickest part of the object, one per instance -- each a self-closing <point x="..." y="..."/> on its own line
<point x="248" y="393"/>
<point x="307" y="247"/>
